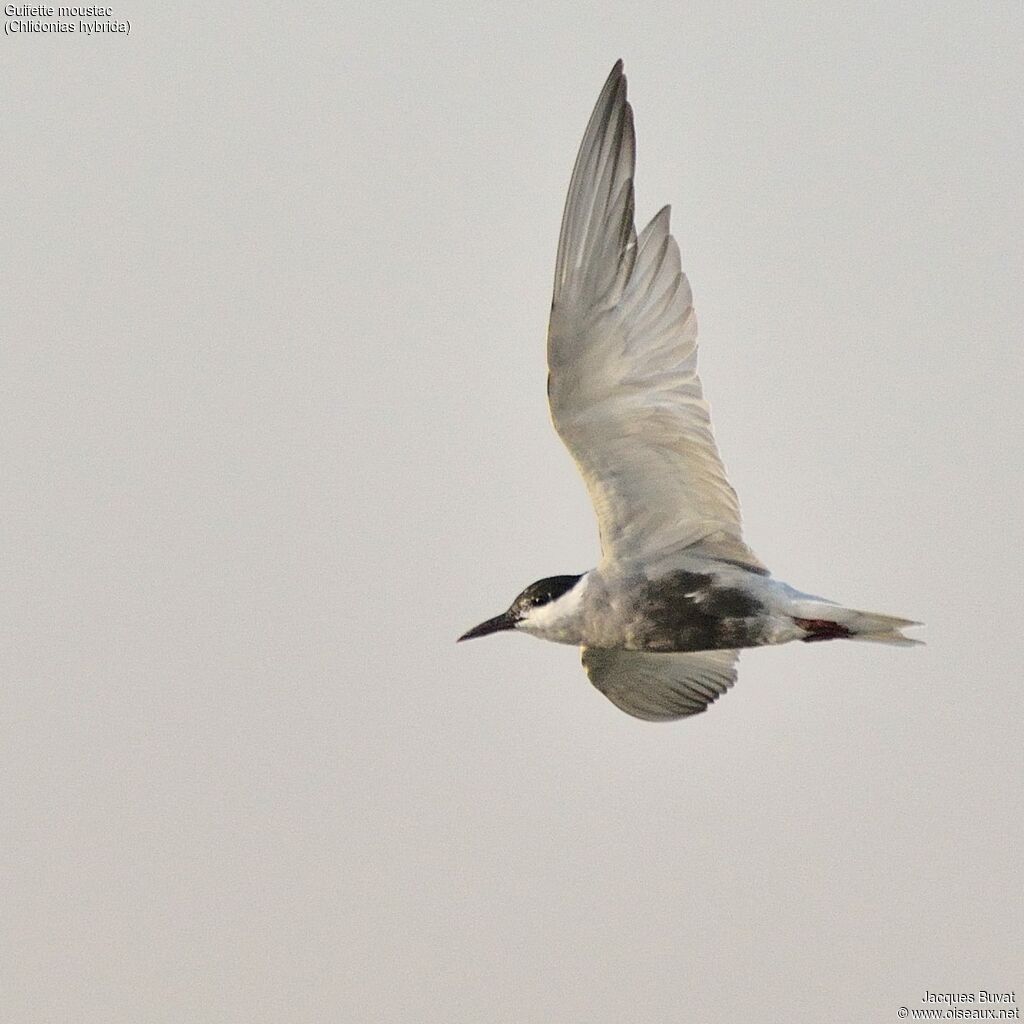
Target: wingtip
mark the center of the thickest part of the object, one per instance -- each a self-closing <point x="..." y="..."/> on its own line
<point x="616" y="75"/>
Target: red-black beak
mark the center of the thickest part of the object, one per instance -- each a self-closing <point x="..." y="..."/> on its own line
<point x="503" y="621"/>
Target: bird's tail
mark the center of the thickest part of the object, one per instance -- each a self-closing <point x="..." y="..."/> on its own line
<point x="822" y="620"/>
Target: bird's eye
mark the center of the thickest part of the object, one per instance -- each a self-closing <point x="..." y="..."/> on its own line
<point x="537" y="599"/>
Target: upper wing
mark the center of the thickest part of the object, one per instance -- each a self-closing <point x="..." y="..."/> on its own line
<point x="660" y="687"/>
<point x="622" y="352"/>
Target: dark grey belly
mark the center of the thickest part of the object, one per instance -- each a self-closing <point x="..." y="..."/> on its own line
<point x="686" y="611"/>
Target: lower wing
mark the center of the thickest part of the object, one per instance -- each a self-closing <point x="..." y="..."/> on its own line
<point x="660" y="687"/>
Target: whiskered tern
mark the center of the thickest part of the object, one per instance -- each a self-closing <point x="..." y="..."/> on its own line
<point x="677" y="592"/>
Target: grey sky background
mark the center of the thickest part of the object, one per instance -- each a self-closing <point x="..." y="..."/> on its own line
<point x="273" y="433"/>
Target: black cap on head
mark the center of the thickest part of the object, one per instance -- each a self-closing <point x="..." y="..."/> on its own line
<point x="535" y="595"/>
<point x="544" y="591"/>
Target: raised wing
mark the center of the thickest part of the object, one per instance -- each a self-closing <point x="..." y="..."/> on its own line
<point x="660" y="687"/>
<point x="622" y="353"/>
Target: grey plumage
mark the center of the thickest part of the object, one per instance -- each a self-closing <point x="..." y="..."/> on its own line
<point x="677" y="590"/>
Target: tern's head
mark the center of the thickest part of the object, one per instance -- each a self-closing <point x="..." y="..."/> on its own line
<point x="539" y="606"/>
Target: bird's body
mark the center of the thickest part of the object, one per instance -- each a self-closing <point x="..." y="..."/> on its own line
<point x="692" y="604"/>
<point x="677" y="591"/>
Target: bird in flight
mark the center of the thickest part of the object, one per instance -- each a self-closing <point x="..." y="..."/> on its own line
<point x="677" y="592"/>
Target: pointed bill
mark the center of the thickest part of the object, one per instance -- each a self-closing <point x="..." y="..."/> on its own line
<point x="503" y="621"/>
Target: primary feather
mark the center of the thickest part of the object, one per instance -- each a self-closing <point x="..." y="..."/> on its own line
<point x="622" y="354"/>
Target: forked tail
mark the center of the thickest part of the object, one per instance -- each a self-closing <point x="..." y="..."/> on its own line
<point x="822" y="620"/>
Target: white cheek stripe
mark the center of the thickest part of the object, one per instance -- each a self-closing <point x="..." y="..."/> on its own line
<point x="564" y="607"/>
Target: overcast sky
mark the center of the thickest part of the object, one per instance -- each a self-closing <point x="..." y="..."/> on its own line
<point x="273" y="432"/>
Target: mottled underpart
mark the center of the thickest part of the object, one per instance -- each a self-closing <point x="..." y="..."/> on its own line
<point x="688" y="611"/>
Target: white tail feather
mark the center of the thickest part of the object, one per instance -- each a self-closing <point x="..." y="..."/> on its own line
<point x="879" y="629"/>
